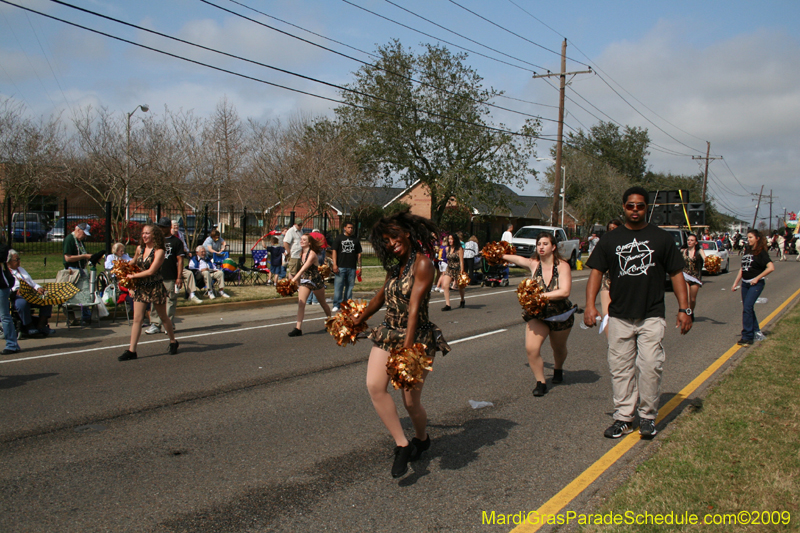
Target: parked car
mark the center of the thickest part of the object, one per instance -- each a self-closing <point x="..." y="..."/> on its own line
<point x="39" y="217"/>
<point x="711" y="248"/>
<point x="57" y="233"/>
<point x="25" y="231"/>
<point x="525" y="242"/>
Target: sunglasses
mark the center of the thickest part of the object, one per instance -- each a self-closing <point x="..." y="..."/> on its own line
<point x="635" y="207"/>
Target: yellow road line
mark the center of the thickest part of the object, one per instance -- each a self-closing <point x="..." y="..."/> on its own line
<point x="588" y="476"/>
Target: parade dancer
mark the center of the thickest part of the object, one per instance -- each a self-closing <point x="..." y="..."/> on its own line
<point x="694" y="259"/>
<point x="455" y="266"/>
<point x="403" y="244"/>
<point x="149" y="288"/>
<point x="756" y="265"/>
<point x="310" y="280"/>
<point x="554" y="277"/>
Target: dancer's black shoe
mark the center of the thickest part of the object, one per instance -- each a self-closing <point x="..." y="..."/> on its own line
<point x="446" y="308"/>
<point x="541" y="389"/>
<point x="463" y="304"/>
<point x="402" y="454"/>
<point x="173" y="347"/>
<point x="420" y="446"/>
<point x="127" y="356"/>
<point x="295" y="333"/>
<point x="558" y="375"/>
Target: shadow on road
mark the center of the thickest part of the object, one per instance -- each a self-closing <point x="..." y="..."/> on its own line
<point x="9" y="382"/>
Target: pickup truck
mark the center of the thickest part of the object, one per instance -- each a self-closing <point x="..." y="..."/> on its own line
<point x="525" y="242"/>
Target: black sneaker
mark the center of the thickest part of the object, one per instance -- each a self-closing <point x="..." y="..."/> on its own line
<point x="647" y="428"/>
<point x="745" y="342"/>
<point x="558" y="376"/>
<point x="295" y="333"/>
<point x="401" y="457"/>
<point x="541" y="389"/>
<point x="420" y="446"/>
<point x="618" y="429"/>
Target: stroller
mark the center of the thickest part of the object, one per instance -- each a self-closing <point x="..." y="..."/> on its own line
<point x="492" y="275"/>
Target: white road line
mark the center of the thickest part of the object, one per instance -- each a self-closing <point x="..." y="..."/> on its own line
<point x="89" y="350"/>
<point x="465" y="339"/>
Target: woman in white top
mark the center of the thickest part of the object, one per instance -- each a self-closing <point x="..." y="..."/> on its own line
<point x="117" y="254"/>
<point x="22" y="305"/>
<point x="471" y="252"/>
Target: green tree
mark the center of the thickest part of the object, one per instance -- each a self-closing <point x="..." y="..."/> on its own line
<point x="623" y="150"/>
<point x="438" y="131"/>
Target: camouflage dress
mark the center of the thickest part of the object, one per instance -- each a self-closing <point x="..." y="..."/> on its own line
<point x="311" y="278"/>
<point x="392" y="331"/>
<point x="554" y="307"/>
<point x="693" y="266"/>
<point x="453" y="263"/>
<point x="151" y="289"/>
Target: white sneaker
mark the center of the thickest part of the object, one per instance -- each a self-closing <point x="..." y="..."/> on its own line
<point x="335" y="310"/>
<point x="223" y="294"/>
<point x="195" y="299"/>
<point x="211" y="295"/>
<point x="153" y="329"/>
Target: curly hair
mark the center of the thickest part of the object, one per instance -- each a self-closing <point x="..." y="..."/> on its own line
<point x="423" y="235"/>
<point x="456" y="241"/>
<point x="158" y="237"/>
<point x="761" y="241"/>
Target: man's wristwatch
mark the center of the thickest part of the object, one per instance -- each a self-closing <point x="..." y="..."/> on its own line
<point x="687" y="311"/>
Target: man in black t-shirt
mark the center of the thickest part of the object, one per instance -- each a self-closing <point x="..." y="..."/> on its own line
<point x="346" y="262"/>
<point x="636" y="256"/>
<point x="172" y="265"/>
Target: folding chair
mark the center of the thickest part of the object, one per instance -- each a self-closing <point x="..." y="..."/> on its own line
<point x="248" y="274"/>
<point x="260" y="267"/>
<point x="220" y="258"/>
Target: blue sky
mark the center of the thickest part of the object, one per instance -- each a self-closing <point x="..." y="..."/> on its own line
<point x="722" y="71"/>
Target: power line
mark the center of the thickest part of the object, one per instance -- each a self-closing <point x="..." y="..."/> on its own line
<point x="207" y="2"/>
<point x="252" y="78"/>
<point x="443" y="40"/>
<point x="370" y="54"/>
<point x="459" y="34"/>
<point x="514" y="33"/>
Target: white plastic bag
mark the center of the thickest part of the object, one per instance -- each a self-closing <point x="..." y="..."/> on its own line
<point x="110" y="296"/>
<point x="102" y="310"/>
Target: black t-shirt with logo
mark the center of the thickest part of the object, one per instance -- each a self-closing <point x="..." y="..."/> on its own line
<point x="637" y="262"/>
<point x="347" y="250"/>
<point x="753" y="265"/>
<point x="173" y="248"/>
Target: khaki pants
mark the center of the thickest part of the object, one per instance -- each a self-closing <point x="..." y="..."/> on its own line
<point x="636" y="345"/>
<point x="292" y="266"/>
<point x="172" y="302"/>
<point x="209" y="276"/>
<point x="188" y="281"/>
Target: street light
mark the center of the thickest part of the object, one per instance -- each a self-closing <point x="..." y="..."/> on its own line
<point x="563" y="186"/>
<point x="145" y="108"/>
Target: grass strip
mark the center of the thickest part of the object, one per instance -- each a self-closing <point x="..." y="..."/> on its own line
<point x="734" y="456"/>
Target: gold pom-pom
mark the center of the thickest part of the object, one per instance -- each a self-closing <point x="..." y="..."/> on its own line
<point x="341" y="325"/>
<point x="325" y="271"/>
<point x="121" y="270"/>
<point x="286" y="287"/>
<point x="493" y="251"/>
<point x="463" y="280"/>
<point x="405" y="366"/>
<point x="531" y="297"/>
<point x="713" y="264"/>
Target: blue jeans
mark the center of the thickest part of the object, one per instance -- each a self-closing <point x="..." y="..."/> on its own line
<point x="9" y="331"/>
<point x="750" y="294"/>
<point x="343" y="285"/>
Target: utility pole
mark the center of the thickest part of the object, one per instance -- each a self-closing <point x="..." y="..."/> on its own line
<point x="705" y="176"/>
<point x="770" y="210"/>
<point x="560" y="140"/>
<point x="757" y="206"/>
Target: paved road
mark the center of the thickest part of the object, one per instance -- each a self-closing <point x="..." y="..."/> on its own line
<point x="249" y="430"/>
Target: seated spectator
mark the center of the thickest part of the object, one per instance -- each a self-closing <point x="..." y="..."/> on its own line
<point x="117" y="254"/>
<point x="209" y="271"/>
<point x="190" y="284"/>
<point x="22" y="305"/>
<point x="214" y="244"/>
